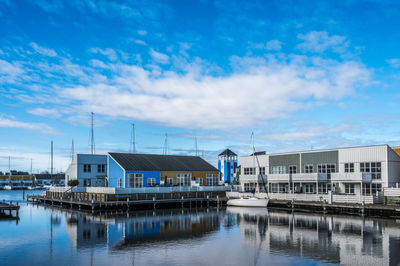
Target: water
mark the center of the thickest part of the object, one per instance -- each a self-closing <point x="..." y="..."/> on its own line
<point x="233" y="236"/>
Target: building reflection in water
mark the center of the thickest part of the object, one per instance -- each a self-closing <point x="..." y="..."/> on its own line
<point x="120" y="231"/>
<point x="332" y="239"/>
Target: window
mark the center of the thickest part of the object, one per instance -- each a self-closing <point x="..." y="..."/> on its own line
<point x="212" y="179"/>
<point x="249" y="171"/>
<point x="262" y="170"/>
<point x="278" y="170"/>
<point x="309" y="188"/>
<point x="327" y="169"/>
<point x="87" y="168"/>
<point x="101" y="168"/>
<point x="376" y="187"/>
<point x="135" y="180"/>
<point x="170" y="181"/>
<point x="372" y="167"/>
<point x="349" y="167"/>
<point x="184" y="179"/>
<point x="309" y="168"/>
<point x="274" y="188"/>
<point x="119" y="182"/>
<point x="349" y="188"/>
<point x="151" y="182"/>
<point x="292" y="169"/>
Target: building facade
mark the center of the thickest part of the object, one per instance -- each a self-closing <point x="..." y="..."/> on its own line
<point x="89" y="169"/>
<point x="356" y="171"/>
<point x="131" y="170"/>
<point x="227" y="164"/>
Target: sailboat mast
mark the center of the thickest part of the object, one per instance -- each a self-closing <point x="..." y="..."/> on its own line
<point x="92" y="134"/>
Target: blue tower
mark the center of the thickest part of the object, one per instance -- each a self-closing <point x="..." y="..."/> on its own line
<point x="227" y="164"/>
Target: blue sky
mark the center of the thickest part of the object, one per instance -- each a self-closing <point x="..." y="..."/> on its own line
<point x="300" y="74"/>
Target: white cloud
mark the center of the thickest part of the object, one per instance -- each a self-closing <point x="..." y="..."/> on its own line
<point x="321" y="41"/>
<point x="10" y="72"/>
<point x="45" y="112"/>
<point x="394" y="62"/>
<point x="140" y="42"/>
<point x="42" y="50"/>
<point x="40" y="127"/>
<point x="273" y="45"/>
<point x="159" y="57"/>
<point x="250" y="96"/>
<point x="108" y="52"/>
<point x="142" y="32"/>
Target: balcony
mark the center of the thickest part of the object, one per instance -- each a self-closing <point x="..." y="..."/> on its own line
<point x="253" y="178"/>
<point x="300" y="177"/>
<point x="351" y="177"/>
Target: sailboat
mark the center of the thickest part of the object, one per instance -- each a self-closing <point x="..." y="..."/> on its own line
<point x="251" y="201"/>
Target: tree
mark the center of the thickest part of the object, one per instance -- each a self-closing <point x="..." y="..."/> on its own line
<point x="73" y="183"/>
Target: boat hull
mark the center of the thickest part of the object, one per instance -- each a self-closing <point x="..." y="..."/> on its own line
<point x="252" y="202"/>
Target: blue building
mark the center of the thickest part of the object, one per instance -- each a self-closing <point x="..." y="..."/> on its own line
<point x="227" y="164"/>
<point x="132" y="170"/>
<point x="89" y="169"/>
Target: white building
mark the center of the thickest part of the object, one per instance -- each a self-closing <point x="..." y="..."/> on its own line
<point x="89" y="169"/>
<point x="357" y="170"/>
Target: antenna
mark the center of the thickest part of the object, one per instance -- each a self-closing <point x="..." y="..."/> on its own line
<point x="195" y="140"/>
<point x="9" y="165"/>
<point x="72" y="150"/>
<point x="165" y="151"/>
<point x="31" y="166"/>
<point x="133" y="137"/>
<point x="92" y="134"/>
<point x="51" y="168"/>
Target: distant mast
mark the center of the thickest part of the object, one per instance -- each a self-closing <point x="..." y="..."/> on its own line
<point x="51" y="163"/>
<point x="195" y="143"/>
<point x="31" y="166"/>
<point x="165" y="150"/>
<point x="133" y="138"/>
<point x="72" y="150"/>
<point x="92" y="134"/>
<point x="9" y="166"/>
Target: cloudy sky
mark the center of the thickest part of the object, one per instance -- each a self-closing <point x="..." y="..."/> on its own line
<point x="301" y="75"/>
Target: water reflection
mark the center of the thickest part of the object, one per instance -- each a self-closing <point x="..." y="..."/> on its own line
<point x="332" y="239"/>
<point x="121" y="231"/>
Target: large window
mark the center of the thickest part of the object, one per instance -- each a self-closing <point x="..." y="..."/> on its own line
<point x="309" y="188"/>
<point x="349" y="167"/>
<point x="184" y="179"/>
<point x="119" y="182"/>
<point x="170" y="181"/>
<point x="349" y="188"/>
<point x="292" y="169"/>
<point x="274" y="188"/>
<point x="87" y="168"/>
<point x="327" y="169"/>
<point x="101" y="168"/>
<point x="308" y="168"/>
<point x="372" y="167"/>
<point x="249" y="171"/>
<point x="212" y="179"/>
<point x="136" y="180"/>
<point x="278" y="170"/>
<point x="199" y="181"/>
<point x="151" y="182"/>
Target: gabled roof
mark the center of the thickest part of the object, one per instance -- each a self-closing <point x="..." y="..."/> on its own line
<point x="227" y="152"/>
<point x="155" y="162"/>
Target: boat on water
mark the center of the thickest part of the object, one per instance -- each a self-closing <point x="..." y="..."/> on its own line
<point x="8" y="187"/>
<point x="248" y="202"/>
<point x="31" y="188"/>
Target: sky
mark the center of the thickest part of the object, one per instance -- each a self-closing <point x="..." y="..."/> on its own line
<point x="301" y="75"/>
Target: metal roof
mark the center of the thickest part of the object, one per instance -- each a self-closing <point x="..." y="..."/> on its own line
<point x="227" y="152"/>
<point x="155" y="162"/>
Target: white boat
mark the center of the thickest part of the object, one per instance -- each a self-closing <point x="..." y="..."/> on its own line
<point x="31" y="188"/>
<point x="8" y="187"/>
<point x="248" y="202"/>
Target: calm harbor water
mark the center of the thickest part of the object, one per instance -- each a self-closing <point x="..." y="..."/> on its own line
<point x="232" y="236"/>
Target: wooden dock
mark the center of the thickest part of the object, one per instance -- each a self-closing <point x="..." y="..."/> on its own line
<point x="9" y="210"/>
<point x="128" y="204"/>
<point x="373" y="210"/>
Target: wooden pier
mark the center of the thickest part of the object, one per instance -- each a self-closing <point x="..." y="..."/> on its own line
<point x="372" y="210"/>
<point x="128" y="204"/>
<point x="9" y="210"/>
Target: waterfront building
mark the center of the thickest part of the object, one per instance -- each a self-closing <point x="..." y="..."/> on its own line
<point x="18" y="180"/>
<point x="227" y="163"/>
<point x="89" y="169"/>
<point x="352" y="171"/>
<point x="47" y="179"/>
<point x="131" y="170"/>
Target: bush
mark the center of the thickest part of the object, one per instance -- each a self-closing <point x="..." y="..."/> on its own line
<point x="73" y="183"/>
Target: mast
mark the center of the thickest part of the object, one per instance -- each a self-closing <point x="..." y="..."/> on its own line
<point x="258" y="163"/>
<point x="9" y="165"/>
<point x="133" y="144"/>
<point x="195" y="140"/>
<point x="165" y="150"/>
<point x="72" y="150"/>
<point x="51" y="167"/>
<point x="91" y="134"/>
<point x="31" y="166"/>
